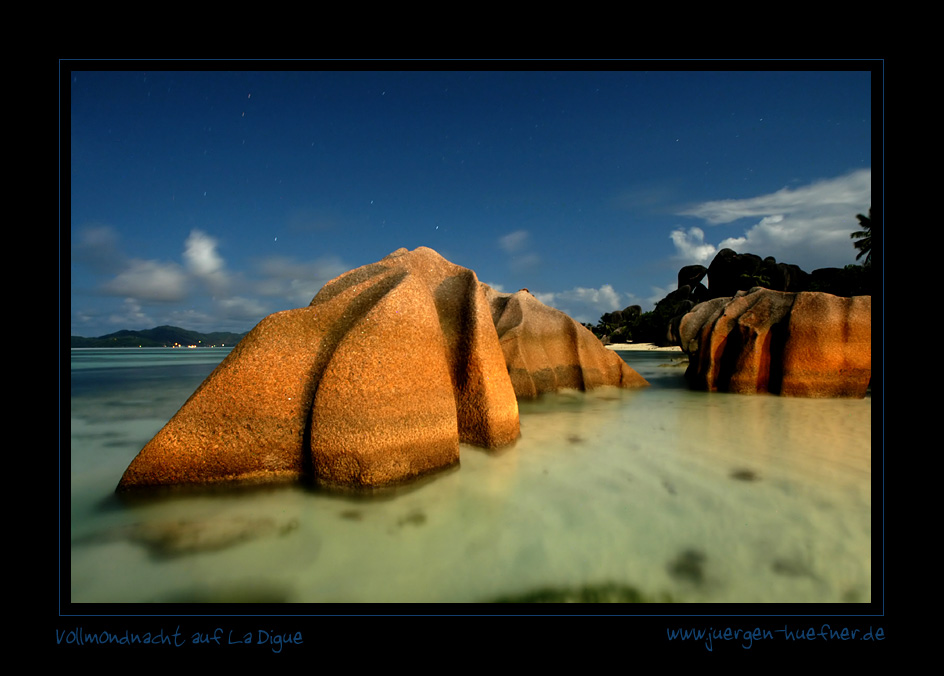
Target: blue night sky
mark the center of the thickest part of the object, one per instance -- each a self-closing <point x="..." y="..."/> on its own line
<point x="208" y="200"/>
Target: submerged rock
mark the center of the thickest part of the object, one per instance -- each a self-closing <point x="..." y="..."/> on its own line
<point x="375" y="383"/>
<point x="179" y="537"/>
<point x="805" y="344"/>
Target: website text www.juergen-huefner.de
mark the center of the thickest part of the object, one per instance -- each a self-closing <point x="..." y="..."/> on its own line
<point x="747" y="637"/>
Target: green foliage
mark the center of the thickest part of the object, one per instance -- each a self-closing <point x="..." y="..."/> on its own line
<point x="591" y="593"/>
<point x="649" y="328"/>
<point x="637" y="327"/>
<point x="864" y="238"/>
<point x="748" y="281"/>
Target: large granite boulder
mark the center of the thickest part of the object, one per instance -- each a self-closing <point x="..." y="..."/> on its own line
<point x="804" y="344"/>
<point x="545" y="350"/>
<point x="375" y="383"/>
<point x="730" y="273"/>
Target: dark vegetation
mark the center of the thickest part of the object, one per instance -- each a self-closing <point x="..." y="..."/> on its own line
<point x="730" y="272"/>
<point x="162" y="336"/>
<point x="599" y="593"/>
<point x="863" y="238"/>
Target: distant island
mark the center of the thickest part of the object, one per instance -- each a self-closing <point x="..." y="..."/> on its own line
<point x="161" y="336"/>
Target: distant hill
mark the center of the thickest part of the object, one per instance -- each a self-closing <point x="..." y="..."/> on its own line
<point x="162" y="336"/>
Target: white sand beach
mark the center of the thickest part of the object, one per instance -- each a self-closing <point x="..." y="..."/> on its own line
<point x="643" y="347"/>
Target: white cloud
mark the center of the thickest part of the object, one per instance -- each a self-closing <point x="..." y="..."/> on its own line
<point x="517" y="246"/>
<point x="526" y="261"/>
<point x="297" y="281"/>
<point x="203" y="261"/>
<point x="514" y="241"/>
<point x="853" y="189"/>
<point x="153" y="280"/>
<point x="149" y="281"/>
<point x="583" y="304"/>
<point x="241" y="308"/>
<point x="130" y="314"/>
<point x="194" y="319"/>
<point x="808" y="226"/>
<point x="691" y="245"/>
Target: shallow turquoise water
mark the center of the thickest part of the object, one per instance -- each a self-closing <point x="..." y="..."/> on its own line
<point x="676" y="494"/>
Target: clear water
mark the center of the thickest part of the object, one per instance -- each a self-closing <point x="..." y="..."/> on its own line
<point x="672" y="494"/>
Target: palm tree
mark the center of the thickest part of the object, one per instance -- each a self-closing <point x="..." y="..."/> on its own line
<point x="864" y="245"/>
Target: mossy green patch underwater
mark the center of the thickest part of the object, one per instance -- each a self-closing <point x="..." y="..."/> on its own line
<point x="609" y="592"/>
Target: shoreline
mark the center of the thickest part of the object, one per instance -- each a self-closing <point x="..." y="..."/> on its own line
<point x="643" y="347"/>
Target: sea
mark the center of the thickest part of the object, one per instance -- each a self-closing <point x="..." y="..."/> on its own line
<point x="660" y="494"/>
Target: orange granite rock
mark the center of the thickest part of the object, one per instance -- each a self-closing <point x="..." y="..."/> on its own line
<point x="376" y="382"/>
<point x="546" y="350"/>
<point x="795" y="344"/>
<point x="829" y="350"/>
<point x="248" y="420"/>
<point x="415" y="374"/>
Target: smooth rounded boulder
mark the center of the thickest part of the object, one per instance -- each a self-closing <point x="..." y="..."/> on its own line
<point x="547" y="351"/>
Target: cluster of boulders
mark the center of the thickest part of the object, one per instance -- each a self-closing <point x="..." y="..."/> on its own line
<point x="766" y="327"/>
<point x="376" y="382"/>
<point x="730" y="272"/>
<point x="394" y="364"/>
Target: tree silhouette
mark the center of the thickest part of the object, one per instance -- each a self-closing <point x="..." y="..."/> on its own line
<point x="864" y="237"/>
